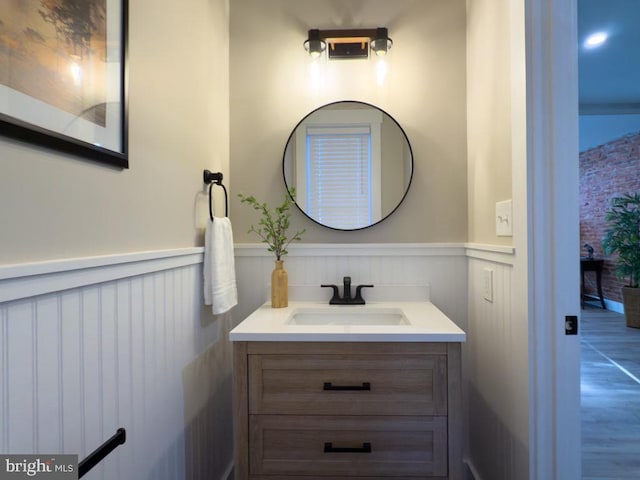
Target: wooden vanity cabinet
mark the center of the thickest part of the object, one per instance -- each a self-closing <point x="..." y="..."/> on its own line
<point x="372" y="411"/>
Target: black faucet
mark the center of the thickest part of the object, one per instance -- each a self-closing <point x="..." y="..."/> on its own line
<point x="346" y="293"/>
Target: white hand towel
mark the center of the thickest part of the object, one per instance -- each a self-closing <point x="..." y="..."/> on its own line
<point x="220" y="289"/>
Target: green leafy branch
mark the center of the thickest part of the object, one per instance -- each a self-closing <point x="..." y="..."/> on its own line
<point x="273" y="225"/>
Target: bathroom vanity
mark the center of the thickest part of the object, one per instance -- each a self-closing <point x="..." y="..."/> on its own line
<point x="347" y="391"/>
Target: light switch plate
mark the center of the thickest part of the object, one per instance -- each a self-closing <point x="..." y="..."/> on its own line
<point x="487" y="284"/>
<point x="504" y="219"/>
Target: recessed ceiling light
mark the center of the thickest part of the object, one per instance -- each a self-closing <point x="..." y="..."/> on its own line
<point x="595" y="40"/>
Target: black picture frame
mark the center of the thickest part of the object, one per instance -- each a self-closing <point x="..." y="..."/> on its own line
<point x="24" y="117"/>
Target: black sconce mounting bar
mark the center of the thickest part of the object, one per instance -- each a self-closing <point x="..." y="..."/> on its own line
<point x="348" y="43"/>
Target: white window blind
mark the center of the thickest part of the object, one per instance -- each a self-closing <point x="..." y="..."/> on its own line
<point x="339" y="175"/>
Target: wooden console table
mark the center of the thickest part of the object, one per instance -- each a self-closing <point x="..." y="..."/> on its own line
<point x="591" y="265"/>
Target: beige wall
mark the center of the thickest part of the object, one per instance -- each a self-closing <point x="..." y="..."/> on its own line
<point x="57" y="206"/>
<point x="272" y="88"/>
<point x="488" y="115"/>
<point x="497" y="350"/>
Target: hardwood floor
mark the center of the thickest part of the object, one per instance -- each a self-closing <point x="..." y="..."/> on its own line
<point x="610" y="385"/>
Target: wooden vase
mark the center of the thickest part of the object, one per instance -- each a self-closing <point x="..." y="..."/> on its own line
<point x="279" y="286"/>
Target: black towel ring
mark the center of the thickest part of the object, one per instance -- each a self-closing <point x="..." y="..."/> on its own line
<point x="211" y="179"/>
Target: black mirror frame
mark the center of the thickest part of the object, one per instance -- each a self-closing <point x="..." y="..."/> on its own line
<point x="284" y="155"/>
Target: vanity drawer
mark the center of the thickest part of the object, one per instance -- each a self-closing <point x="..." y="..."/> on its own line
<point x="348" y="384"/>
<point x="348" y="445"/>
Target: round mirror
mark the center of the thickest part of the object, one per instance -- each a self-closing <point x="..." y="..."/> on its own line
<point x="350" y="165"/>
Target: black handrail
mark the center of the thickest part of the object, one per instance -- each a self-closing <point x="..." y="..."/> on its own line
<point x="102" y="451"/>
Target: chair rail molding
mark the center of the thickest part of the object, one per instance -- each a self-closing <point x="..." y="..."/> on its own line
<point x="25" y="280"/>
<point x="39" y="278"/>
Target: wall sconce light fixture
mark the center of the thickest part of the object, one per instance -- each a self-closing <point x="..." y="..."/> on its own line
<point x="354" y="43"/>
<point x="381" y="44"/>
<point x="314" y="44"/>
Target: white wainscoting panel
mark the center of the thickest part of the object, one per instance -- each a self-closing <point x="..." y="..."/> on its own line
<point x="90" y="345"/>
<point x="495" y="397"/>
<point x="134" y="347"/>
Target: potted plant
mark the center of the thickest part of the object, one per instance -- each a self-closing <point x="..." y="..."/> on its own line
<point x="272" y="229"/>
<point x="623" y="238"/>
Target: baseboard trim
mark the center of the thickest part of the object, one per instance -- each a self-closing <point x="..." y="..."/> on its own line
<point x="228" y="474"/>
<point x="470" y="472"/>
<point x="614" y="306"/>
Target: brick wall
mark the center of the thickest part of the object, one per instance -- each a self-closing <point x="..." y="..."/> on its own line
<point x="606" y="171"/>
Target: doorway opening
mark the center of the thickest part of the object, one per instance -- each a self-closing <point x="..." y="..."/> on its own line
<point x="609" y="145"/>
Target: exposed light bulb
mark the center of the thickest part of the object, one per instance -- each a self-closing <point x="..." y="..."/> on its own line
<point x="381" y="52"/>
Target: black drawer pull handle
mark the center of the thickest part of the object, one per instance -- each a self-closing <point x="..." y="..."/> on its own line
<point x="366" y="386"/>
<point x="329" y="448"/>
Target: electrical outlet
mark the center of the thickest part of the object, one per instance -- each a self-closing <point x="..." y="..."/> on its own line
<point x="487" y="284"/>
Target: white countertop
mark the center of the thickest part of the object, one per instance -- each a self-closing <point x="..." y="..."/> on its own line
<point x="425" y="324"/>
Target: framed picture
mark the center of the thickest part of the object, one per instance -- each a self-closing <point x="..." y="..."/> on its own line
<point x="63" y="76"/>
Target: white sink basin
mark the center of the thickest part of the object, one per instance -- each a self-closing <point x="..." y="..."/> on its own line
<point x="312" y="321"/>
<point x="348" y="315"/>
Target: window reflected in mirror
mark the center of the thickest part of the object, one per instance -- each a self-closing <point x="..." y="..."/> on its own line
<point x="350" y="163"/>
